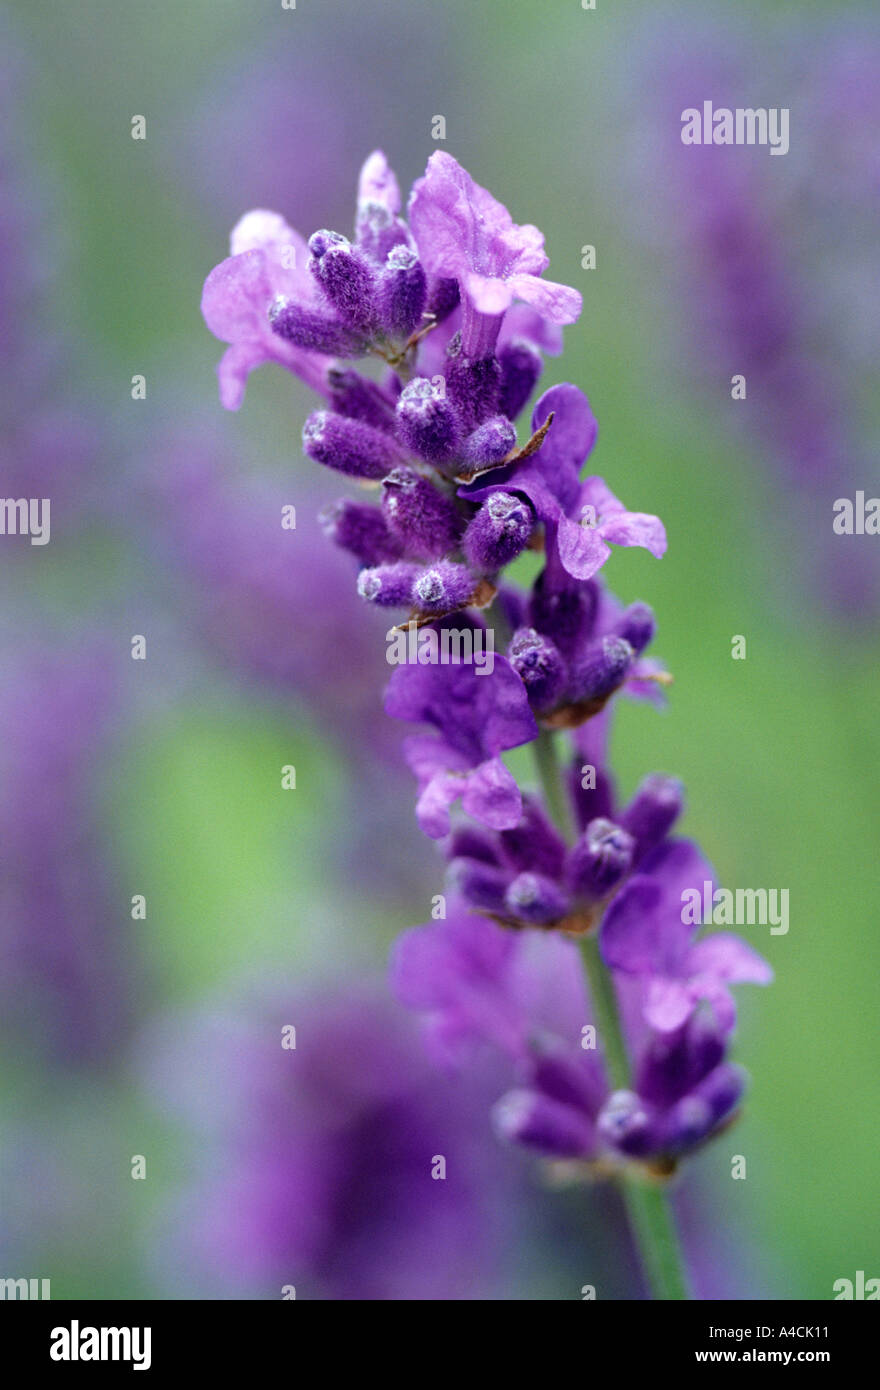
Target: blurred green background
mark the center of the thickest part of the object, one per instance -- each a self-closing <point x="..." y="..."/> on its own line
<point x="545" y="106"/>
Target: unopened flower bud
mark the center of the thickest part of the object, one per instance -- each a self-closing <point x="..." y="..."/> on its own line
<point x="443" y="588"/>
<point x="314" y="330"/>
<point x="536" y="899"/>
<point x="360" y="529"/>
<point x="601" y="669"/>
<point x="600" y="860"/>
<point x="521" y="367"/>
<point x="539" y="1122"/>
<point x="403" y="288"/>
<point x="474" y="386"/>
<point x="349" y="446"/>
<point x="346" y="277"/>
<point x="428" y="421"/>
<point x="498" y="533"/>
<point x="354" y="395"/>
<point x="483" y="885"/>
<point x="637" y="626"/>
<point x="388" y="586"/>
<point x="653" y="811"/>
<point x="540" y="666"/>
<point x="426" y="521"/>
<point x="488" y="445"/>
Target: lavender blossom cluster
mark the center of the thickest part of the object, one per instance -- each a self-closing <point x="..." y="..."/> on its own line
<point x="451" y="305"/>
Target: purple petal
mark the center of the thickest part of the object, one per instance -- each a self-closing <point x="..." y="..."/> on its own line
<point x="668" y="1003"/>
<point x="582" y="548"/>
<point x="727" y="957"/>
<point x="492" y="796"/>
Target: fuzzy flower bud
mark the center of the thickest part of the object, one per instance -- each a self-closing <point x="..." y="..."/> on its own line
<point x="349" y="446"/>
<point x="443" y="588"/>
<point x="540" y="666"/>
<point x="346" y="277"/>
<point x="637" y="626"/>
<point x="403" y="288"/>
<point x="601" y="669"/>
<point x="360" y="529"/>
<point x="314" y="330"/>
<point x="521" y="367"/>
<point x="498" y="533"/>
<point x="600" y="859"/>
<point x="427" y="420"/>
<point x="653" y="811"/>
<point x="536" y="899"/>
<point x="388" y="586"/>
<point x="427" y="523"/>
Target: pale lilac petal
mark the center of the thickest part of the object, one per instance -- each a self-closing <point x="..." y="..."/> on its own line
<point x="668" y="1003"/>
<point x="582" y="548"/>
<point x="432" y="807"/>
<point x="492" y="797"/>
<point x="556" y="303"/>
<point x="727" y="957"/>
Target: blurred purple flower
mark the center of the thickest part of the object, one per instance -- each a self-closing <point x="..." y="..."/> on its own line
<point x="347" y="1167"/>
<point x="64" y="974"/>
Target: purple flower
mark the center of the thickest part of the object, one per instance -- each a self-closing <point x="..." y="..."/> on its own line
<point x="643" y="934"/>
<point x="268" y="265"/>
<point x="324" y="1155"/>
<point x="465" y="234"/>
<point x="477" y="714"/>
<point x="583" y="519"/>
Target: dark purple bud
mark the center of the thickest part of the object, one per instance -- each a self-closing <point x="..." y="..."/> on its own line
<point x="403" y="288"/>
<point x="674" y="1063"/>
<point x="573" y="1077"/>
<point x="540" y="666"/>
<point x="469" y="842"/>
<point x="378" y="231"/>
<point x="443" y="588"/>
<point x="349" y="446"/>
<point x="539" y="1122"/>
<point x="474" y="386"/>
<point x="360" y="529"/>
<point x="354" y="395"/>
<point x="488" y="445"/>
<point x="627" y="1124"/>
<point x="696" y="1115"/>
<point x="346" y="277"/>
<point x="388" y="586"/>
<point x="427" y="420"/>
<point x="427" y="522"/>
<point x="637" y="626"/>
<point x="443" y="297"/>
<point x="483" y="885"/>
<point x="601" y="669"/>
<point x="534" y="843"/>
<point x="600" y="860"/>
<point x="313" y="330"/>
<point x="594" y="800"/>
<point x="521" y="367"/>
<point x="498" y="533"/>
<point x="564" y="611"/>
<point x="653" y="811"/>
<point x="536" y="899"/>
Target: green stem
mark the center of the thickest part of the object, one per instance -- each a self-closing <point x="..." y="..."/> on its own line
<point x="547" y="762"/>
<point x="648" y="1210"/>
<point x="652" y="1223"/>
